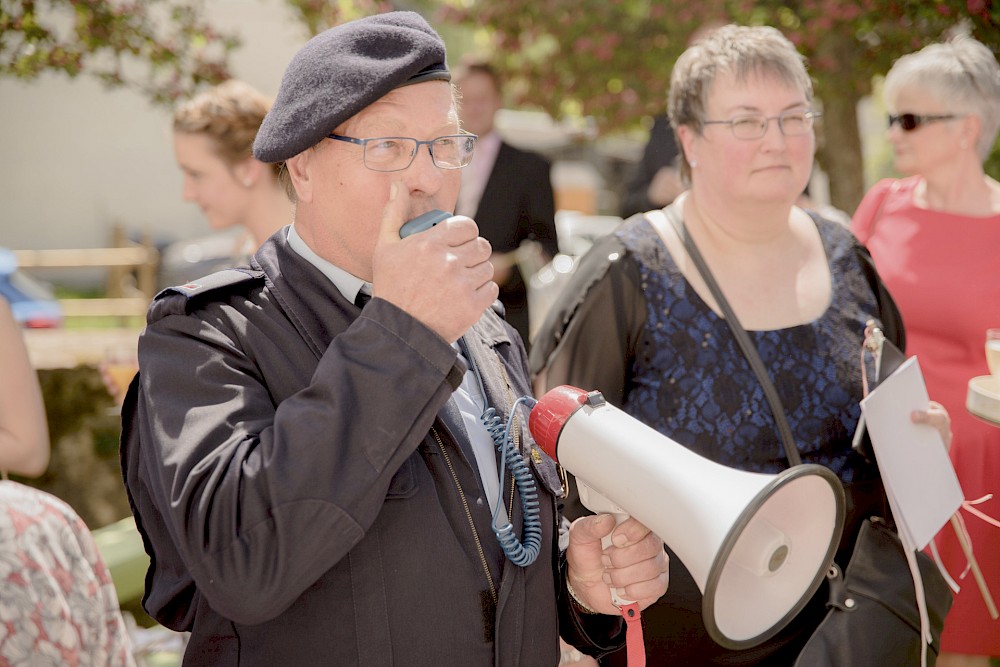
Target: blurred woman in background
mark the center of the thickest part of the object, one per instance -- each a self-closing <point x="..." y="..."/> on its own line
<point x="213" y="137"/>
<point x="935" y="236"/>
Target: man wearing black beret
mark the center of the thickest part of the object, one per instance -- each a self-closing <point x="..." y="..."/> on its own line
<point x="303" y="447"/>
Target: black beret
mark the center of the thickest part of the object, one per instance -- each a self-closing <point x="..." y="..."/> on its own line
<point x="341" y="71"/>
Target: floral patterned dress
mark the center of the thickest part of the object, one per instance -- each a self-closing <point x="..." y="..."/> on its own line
<point x="58" y="605"/>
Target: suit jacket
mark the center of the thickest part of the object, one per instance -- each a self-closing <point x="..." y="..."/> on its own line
<point x="517" y="205"/>
<point x="661" y="151"/>
<point x="305" y="493"/>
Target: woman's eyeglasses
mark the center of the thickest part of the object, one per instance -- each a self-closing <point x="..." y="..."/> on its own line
<point x="911" y="121"/>
<point x="753" y="126"/>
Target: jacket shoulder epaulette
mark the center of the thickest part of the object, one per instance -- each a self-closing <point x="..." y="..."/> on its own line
<point x="182" y="299"/>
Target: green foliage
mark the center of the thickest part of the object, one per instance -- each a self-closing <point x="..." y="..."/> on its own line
<point x="164" y="48"/>
<point x="611" y="59"/>
<point x="607" y="59"/>
<point x="992" y="164"/>
<point x="318" y="15"/>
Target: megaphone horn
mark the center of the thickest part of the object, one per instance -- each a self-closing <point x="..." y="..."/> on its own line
<point x="757" y="545"/>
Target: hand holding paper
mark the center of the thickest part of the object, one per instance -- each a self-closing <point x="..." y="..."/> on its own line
<point x="919" y="479"/>
<point x="912" y="457"/>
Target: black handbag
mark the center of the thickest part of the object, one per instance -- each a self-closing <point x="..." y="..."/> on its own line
<point x="873" y="618"/>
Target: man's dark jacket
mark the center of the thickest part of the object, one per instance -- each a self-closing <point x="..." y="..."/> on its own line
<point x="305" y="494"/>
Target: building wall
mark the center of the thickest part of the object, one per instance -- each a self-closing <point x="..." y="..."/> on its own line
<point x="77" y="158"/>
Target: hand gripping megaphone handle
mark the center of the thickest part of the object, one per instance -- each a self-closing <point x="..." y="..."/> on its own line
<point x="599" y="504"/>
<point x="616" y="593"/>
<point x="635" y="649"/>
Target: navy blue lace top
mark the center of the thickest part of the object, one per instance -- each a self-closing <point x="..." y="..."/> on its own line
<point x="631" y="326"/>
<point x="691" y="381"/>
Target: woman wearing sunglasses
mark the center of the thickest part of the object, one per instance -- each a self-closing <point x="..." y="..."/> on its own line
<point x="935" y="235"/>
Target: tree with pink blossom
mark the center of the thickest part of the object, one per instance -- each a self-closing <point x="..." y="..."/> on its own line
<point x="611" y="59"/>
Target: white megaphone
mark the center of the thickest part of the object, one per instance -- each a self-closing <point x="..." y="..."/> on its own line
<point x="757" y="545"/>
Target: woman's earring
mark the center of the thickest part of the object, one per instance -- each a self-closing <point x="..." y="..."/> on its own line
<point x="247" y="183"/>
<point x="694" y="163"/>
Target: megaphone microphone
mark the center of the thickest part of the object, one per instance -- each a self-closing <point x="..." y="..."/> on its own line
<point x="757" y="545"/>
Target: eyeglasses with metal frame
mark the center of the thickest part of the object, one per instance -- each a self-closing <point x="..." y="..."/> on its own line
<point x="452" y="151"/>
<point x="909" y="122"/>
<point x="754" y="126"/>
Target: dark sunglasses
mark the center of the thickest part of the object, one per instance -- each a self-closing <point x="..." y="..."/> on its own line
<point x="911" y="121"/>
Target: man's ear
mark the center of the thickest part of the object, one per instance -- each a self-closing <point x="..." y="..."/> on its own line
<point x="300" y="171"/>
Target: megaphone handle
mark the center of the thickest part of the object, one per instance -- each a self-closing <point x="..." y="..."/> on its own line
<point x="605" y="543"/>
<point x="635" y="647"/>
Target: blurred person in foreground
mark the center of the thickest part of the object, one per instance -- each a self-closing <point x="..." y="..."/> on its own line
<point x="57" y="602"/>
<point x="934" y="235"/>
<point x="24" y="433"/>
<point x="213" y="136"/>
<point x="639" y="325"/>
<point x="508" y="191"/>
<point x="304" y="446"/>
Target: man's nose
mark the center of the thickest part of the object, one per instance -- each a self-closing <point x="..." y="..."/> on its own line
<point x="423" y="173"/>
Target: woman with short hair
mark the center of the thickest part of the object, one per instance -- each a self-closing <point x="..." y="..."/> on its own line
<point x="638" y="324"/>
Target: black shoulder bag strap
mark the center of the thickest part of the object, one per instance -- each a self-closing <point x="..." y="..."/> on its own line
<point x="749" y="349"/>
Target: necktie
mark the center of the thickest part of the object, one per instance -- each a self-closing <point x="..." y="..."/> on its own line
<point x="362" y="299"/>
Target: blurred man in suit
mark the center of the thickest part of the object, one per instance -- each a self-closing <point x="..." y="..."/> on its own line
<point x="657" y="180"/>
<point x="506" y="190"/>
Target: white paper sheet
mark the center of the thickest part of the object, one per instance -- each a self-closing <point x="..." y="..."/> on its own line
<point x="914" y="464"/>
